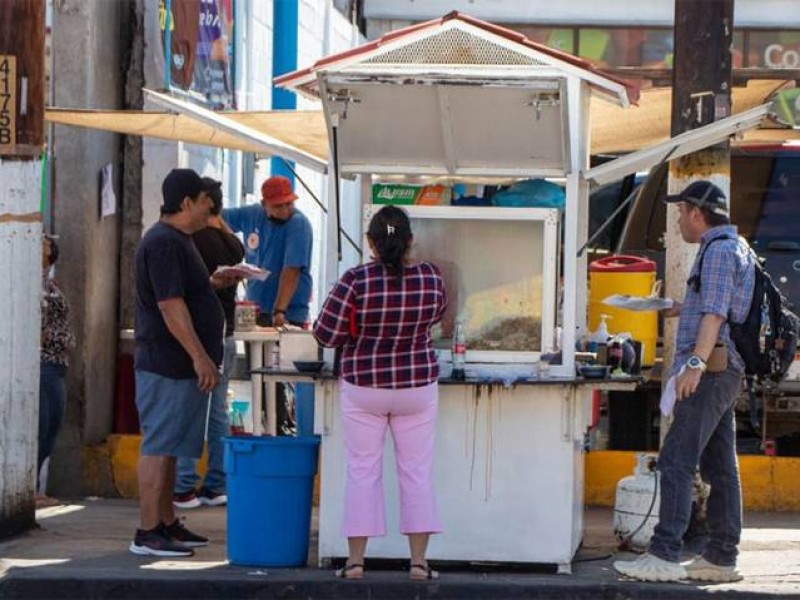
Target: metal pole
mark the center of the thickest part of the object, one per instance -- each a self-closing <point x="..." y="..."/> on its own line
<point x="167" y="44"/>
<point x="701" y="94"/>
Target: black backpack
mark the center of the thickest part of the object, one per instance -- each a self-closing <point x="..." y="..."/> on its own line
<point x="767" y="338"/>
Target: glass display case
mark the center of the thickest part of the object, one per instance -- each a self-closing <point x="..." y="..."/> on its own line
<point x="493" y="262"/>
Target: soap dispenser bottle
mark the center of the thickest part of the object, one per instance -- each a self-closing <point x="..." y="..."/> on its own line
<point x="600" y="336"/>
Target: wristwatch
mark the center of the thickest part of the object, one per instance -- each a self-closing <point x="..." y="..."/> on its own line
<point x="278" y="311"/>
<point x="695" y="362"/>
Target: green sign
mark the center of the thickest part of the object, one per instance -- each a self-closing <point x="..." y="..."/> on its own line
<point x="786" y="107"/>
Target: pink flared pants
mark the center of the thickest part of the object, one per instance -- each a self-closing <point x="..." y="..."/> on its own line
<point x="411" y="415"/>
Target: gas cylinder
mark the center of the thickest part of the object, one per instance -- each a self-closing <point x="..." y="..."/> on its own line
<point x="636" y="504"/>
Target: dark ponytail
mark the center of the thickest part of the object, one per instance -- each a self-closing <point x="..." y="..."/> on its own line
<point x="390" y="232"/>
<point x="53" y="249"/>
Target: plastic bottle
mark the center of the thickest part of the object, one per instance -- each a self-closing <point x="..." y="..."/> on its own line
<point x="601" y="335"/>
<point x="615" y="353"/>
<point x="459" y="352"/>
<point x="275" y="356"/>
<point x="236" y="422"/>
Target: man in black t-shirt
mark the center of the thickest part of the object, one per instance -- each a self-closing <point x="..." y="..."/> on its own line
<point x="218" y="247"/>
<point x="179" y="327"/>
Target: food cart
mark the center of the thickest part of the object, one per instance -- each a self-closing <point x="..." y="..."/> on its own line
<point x="458" y="99"/>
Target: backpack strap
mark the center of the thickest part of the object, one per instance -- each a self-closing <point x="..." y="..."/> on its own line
<point x="694" y="280"/>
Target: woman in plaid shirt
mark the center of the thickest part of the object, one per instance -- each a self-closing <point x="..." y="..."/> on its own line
<point x="380" y="314"/>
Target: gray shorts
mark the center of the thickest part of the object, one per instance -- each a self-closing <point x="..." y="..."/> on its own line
<point x="172" y="415"/>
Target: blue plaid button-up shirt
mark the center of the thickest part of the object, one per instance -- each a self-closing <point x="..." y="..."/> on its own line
<point x="726" y="289"/>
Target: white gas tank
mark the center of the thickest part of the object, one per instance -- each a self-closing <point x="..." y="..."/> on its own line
<point x="636" y="504"/>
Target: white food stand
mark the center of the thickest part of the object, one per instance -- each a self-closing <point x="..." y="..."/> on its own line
<point x="460" y="99"/>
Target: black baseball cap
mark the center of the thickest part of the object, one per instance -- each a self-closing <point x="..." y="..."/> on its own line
<point x="703" y="194"/>
<point x="214" y="189"/>
<point x="178" y="184"/>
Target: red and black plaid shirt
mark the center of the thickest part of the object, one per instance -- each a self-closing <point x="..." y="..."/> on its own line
<point x="389" y="344"/>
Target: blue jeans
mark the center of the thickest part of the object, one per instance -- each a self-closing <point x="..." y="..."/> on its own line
<point x="186" y="468"/>
<point x="704" y="433"/>
<point x="52" y="398"/>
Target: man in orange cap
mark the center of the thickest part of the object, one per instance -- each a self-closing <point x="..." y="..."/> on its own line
<point x="277" y="237"/>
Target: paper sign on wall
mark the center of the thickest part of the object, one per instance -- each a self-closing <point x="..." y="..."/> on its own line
<point x="108" y="199"/>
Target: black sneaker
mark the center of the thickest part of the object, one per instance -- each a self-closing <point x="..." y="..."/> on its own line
<point x="155" y="542"/>
<point x="180" y="534"/>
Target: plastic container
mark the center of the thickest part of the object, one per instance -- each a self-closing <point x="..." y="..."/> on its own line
<point x="245" y="315"/>
<point x="270" y="489"/>
<point x="236" y="417"/>
<point x="621" y="274"/>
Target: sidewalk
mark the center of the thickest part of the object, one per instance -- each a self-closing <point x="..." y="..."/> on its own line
<point x="80" y="551"/>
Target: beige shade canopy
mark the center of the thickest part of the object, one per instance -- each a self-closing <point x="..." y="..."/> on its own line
<point x="305" y="130"/>
<point x="614" y="130"/>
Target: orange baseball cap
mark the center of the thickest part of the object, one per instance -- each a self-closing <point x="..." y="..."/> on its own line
<point x="277" y="190"/>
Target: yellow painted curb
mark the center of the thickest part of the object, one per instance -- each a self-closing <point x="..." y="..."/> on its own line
<point x="124" y="454"/>
<point x="769" y="483"/>
<point x="602" y="470"/>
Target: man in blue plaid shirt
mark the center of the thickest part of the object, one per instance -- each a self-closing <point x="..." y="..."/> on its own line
<point x="703" y="431"/>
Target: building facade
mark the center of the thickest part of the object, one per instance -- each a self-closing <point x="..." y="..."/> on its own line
<point x="103" y="54"/>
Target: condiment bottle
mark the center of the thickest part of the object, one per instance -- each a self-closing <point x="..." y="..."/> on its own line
<point x="275" y="356"/>
<point x="614" y="359"/>
<point x="459" y="352"/>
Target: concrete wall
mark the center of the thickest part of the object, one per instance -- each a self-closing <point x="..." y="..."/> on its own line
<point x="87" y="74"/>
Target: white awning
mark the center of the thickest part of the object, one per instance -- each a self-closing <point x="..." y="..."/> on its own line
<point x="261" y="141"/>
<point x="680" y="145"/>
<point x="405" y="126"/>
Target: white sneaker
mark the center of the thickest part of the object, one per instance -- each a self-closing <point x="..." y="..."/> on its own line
<point x="700" y="569"/>
<point x="651" y="568"/>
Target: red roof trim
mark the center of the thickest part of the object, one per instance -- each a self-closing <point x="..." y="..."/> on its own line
<point x="632" y="87"/>
<point x="352" y="52"/>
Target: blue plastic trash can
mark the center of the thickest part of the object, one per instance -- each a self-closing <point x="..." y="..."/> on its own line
<point x="304" y="408"/>
<point x="270" y="488"/>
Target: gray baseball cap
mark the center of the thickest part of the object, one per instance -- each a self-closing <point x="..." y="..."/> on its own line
<point x="703" y="194"/>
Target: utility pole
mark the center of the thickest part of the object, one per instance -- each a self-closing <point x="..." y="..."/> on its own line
<point x="22" y="30"/>
<point x="701" y="94"/>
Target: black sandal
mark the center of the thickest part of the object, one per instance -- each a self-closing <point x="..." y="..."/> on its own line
<point x="429" y="573"/>
<point x="346" y="572"/>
